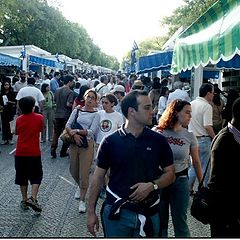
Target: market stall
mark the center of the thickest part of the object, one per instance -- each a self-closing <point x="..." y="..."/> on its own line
<point x="212" y="39"/>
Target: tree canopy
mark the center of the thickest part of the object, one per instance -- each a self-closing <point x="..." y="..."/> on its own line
<point x="34" y="22"/>
<point x="184" y="16"/>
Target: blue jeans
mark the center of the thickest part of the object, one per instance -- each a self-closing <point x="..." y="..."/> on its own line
<point x="204" y="148"/>
<point x="177" y="197"/>
<point x="127" y="226"/>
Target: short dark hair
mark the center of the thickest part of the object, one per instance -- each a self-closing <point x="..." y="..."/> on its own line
<point x="205" y="89"/>
<point x="121" y="93"/>
<point x="96" y="82"/>
<point x="31" y="80"/>
<point x="26" y="104"/>
<point x="68" y="78"/>
<point x="103" y="78"/>
<point x="56" y="74"/>
<point x="130" y="100"/>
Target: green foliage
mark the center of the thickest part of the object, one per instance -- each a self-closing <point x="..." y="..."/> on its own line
<point x="146" y="46"/>
<point x="185" y="15"/>
<point x="34" y="22"/>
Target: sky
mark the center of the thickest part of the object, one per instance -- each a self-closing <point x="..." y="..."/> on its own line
<point x="115" y="24"/>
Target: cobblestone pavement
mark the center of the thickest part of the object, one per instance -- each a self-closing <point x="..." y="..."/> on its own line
<point x="60" y="217"/>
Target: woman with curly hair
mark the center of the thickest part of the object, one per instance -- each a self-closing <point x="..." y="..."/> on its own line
<point x="184" y="146"/>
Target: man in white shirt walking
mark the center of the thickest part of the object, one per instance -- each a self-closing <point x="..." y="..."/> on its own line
<point x="31" y="90"/>
<point x="201" y="125"/>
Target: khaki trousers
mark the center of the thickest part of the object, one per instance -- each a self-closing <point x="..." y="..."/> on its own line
<point x="80" y="163"/>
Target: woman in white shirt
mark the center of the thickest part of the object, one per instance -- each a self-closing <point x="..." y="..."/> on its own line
<point x="110" y="120"/>
<point x="81" y="157"/>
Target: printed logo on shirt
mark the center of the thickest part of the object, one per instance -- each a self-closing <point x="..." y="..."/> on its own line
<point x="105" y="125"/>
<point x="175" y="141"/>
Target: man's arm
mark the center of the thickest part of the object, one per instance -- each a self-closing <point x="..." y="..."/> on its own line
<point x="95" y="187"/>
<point x="18" y="110"/>
<point x="40" y="103"/>
<point x="196" y="163"/>
<point x="210" y="131"/>
<point x="167" y="178"/>
<point x="144" y="189"/>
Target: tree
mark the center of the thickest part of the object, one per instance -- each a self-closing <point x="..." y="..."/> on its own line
<point x="182" y="16"/>
<point x="34" y="22"/>
<point x="185" y="15"/>
<point x="146" y="46"/>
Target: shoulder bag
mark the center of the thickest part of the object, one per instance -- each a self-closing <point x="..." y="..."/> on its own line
<point x="200" y="208"/>
<point x="65" y="136"/>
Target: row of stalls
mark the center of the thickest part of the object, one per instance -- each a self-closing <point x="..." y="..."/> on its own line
<point x="209" y="49"/>
<point x="33" y="58"/>
<point x="8" y="64"/>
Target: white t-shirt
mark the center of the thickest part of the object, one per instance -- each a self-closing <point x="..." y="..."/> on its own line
<point x="31" y="91"/>
<point x="162" y="104"/>
<point x="18" y="85"/>
<point x="83" y="81"/>
<point x="109" y="123"/>
<point x="92" y="81"/>
<point x="201" y="116"/>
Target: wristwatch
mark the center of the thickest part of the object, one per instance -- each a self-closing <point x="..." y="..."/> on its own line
<point x="78" y="131"/>
<point x="155" y="186"/>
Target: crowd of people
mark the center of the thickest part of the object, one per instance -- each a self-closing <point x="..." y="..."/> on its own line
<point x="144" y="141"/>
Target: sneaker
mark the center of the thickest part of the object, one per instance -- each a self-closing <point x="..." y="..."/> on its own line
<point x="11" y="142"/>
<point x="5" y="142"/>
<point x="77" y="193"/>
<point x="33" y="204"/>
<point x="24" y="206"/>
<point x="82" y="207"/>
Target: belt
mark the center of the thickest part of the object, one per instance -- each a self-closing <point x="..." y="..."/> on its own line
<point x="203" y="136"/>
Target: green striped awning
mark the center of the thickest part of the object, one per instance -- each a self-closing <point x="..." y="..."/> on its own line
<point x="212" y="37"/>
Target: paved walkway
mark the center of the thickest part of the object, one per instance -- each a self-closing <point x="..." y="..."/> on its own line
<point x="60" y="217"/>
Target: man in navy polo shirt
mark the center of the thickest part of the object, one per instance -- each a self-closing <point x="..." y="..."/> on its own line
<point x="140" y="162"/>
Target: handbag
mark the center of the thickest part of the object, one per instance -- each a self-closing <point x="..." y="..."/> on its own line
<point x="65" y="136"/>
<point x="200" y="208"/>
<point x="76" y="125"/>
<point x="68" y="139"/>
